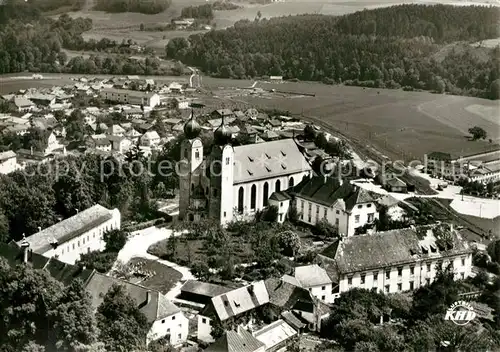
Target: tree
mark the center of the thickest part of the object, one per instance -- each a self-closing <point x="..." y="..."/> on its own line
<point x="123" y="327"/>
<point x="4" y="227"/>
<point x="95" y="260"/>
<point x="200" y="270"/>
<point x="309" y="133"/>
<point x="289" y="242"/>
<point x="494" y="251"/>
<point x="115" y="240"/>
<point x="326" y="230"/>
<point x="477" y="133"/>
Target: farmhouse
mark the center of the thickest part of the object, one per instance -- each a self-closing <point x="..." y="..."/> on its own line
<point x="78" y="234"/>
<point x="397" y="260"/>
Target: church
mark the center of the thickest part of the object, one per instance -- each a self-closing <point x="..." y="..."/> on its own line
<point x="233" y="182"/>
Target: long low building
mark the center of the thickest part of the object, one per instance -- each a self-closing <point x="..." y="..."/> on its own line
<point x="126" y="96"/>
<point x="79" y="234"/>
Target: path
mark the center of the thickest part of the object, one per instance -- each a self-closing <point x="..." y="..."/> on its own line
<point x="137" y="246"/>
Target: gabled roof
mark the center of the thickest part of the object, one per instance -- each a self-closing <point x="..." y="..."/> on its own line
<point x="151" y="135"/>
<point x="22" y="102"/>
<point x="224" y="112"/>
<point x="311" y="276"/>
<point x="68" y="229"/>
<point x="236" y="341"/>
<point x="150" y="302"/>
<point x="115" y="129"/>
<point x="9" y="154"/>
<point x="238" y="301"/>
<point x="395" y="182"/>
<point x="390" y="248"/>
<point x="280" y="196"/>
<point x="275" y="333"/>
<point x="284" y="294"/>
<point x="204" y="288"/>
<point x="267" y="160"/>
<point x="328" y="190"/>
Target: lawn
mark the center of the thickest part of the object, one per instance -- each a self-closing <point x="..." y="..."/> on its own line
<point x="163" y="278"/>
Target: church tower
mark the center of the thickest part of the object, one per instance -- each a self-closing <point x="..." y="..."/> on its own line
<point x="189" y="165"/>
<point x="221" y="205"/>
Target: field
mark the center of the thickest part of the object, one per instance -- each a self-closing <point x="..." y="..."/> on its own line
<point x="398" y="124"/>
<point x="119" y="26"/>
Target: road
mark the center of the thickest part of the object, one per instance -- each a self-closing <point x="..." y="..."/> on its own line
<point x="137" y="246"/>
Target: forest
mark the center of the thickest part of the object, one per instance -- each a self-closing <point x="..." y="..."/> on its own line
<point x="394" y="47"/>
<point x="198" y="12"/>
<point x="149" y="7"/>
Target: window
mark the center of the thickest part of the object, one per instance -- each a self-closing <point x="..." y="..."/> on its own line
<point x="387" y="274"/>
<point x="362" y="279"/>
<point x="197" y="154"/>
<point x="428" y="267"/>
<point x="349" y="280"/>
<point x="62" y="251"/>
<point x="281" y="204"/>
<point x="310" y="207"/>
<point x="360" y="206"/>
<point x="400" y="271"/>
<point x="290" y="182"/>
<point x="323" y="298"/>
<point x="87" y="238"/>
<point x="427" y="281"/>
<point x="163" y="321"/>
<point x="337" y="222"/>
<point x="323" y="288"/>
<point x="369" y="205"/>
<point x="266" y="194"/>
<point x="277" y="186"/>
<point x="371" y="217"/>
<point x="253" y="196"/>
<point x="317" y="210"/>
<point x="168" y="330"/>
<point x="412" y="270"/>
<point x="375" y="275"/>
<point x="179" y="336"/>
<point x="356" y="219"/>
<point x="337" y="212"/>
<point x="227" y="161"/>
<point x="462" y="276"/>
<point x="241" y="194"/>
<point x="400" y="287"/>
<point x="463" y="261"/>
<point x="73" y="246"/>
<point x="325" y="212"/>
<point x="440" y="264"/>
<point x="281" y="217"/>
<point x="83" y="240"/>
<point x="387" y="288"/>
<point x="224" y="214"/>
<point x="302" y="205"/>
<point x="173" y="317"/>
<point x="412" y="285"/>
<point x="309" y="218"/>
<point x="78" y="243"/>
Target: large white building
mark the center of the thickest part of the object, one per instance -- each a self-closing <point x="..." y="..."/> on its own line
<point x="396" y="260"/>
<point x="342" y="204"/>
<point x="125" y="96"/>
<point x="234" y="182"/>
<point x="81" y="233"/>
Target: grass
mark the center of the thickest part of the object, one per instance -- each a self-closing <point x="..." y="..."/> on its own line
<point x="164" y="278"/>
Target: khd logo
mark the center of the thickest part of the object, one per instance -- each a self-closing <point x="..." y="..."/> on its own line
<point x="461" y="313"/>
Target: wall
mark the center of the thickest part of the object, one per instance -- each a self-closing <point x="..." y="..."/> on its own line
<point x="204" y="329"/>
<point x="363" y="211"/>
<point x="335" y="215"/>
<point x="177" y="328"/>
<point x="283" y="207"/>
<point x="324" y="295"/>
<point x="92" y="240"/>
<point x="422" y="271"/>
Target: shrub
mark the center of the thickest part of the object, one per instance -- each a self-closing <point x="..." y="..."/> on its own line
<point x="115" y="240"/>
<point x="95" y="260"/>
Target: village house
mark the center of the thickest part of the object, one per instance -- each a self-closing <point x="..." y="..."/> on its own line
<point x="180" y="103"/>
<point x="45" y="100"/>
<point x="238" y="340"/>
<point x="116" y="130"/>
<point x="124" y="96"/>
<point x="342" y="204"/>
<point x="133" y="135"/>
<point x="120" y="144"/>
<point x="99" y="142"/>
<point x="8" y="162"/>
<point x="281" y="200"/>
<point x="313" y="278"/>
<point x="23" y="104"/>
<point x="150" y="139"/>
<point x="81" y="233"/>
<point x="229" y="305"/>
<point x="223" y="113"/>
<point x="397" y="260"/>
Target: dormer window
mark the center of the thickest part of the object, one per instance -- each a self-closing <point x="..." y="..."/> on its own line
<point x="250" y="172"/>
<point x="226" y="303"/>
<point x="424" y="250"/>
<point x="433" y="249"/>
<point x="283" y="166"/>
<point x="268" y="169"/>
<point x="250" y="158"/>
<point x="283" y="153"/>
<point x="268" y="156"/>
<point x="236" y="304"/>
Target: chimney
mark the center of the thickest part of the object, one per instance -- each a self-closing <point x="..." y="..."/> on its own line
<point x="77" y="210"/>
<point x="39" y="229"/>
<point x="25" y="246"/>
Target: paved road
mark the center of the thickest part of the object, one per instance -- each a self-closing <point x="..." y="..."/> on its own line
<point x="138" y="245"/>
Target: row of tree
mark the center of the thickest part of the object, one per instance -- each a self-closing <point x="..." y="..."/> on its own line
<point x="392" y="47"/>
<point x="204" y="12"/>
<point x="147" y="7"/>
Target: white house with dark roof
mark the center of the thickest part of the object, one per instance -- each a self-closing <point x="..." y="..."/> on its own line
<point x="342" y="204"/>
<point x="229" y="305"/>
<point x="313" y="278"/>
<point x="8" y="162"/>
<point x="125" y="96"/>
<point x="150" y="139"/>
<point x="78" y="234"/>
<point x="396" y="260"/>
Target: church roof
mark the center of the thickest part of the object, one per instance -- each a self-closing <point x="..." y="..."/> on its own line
<point x="266" y="160"/>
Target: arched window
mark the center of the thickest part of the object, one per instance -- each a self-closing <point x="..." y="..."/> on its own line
<point x="253" y="196"/>
<point x="290" y="182"/>
<point x="278" y="186"/>
<point x="241" y="194"/>
<point x="266" y="194"/>
<point x="192" y="187"/>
